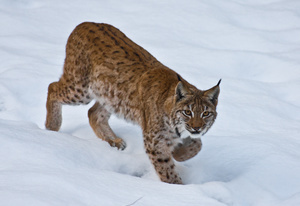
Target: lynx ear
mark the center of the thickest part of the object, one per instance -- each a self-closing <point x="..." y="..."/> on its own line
<point x="181" y="91"/>
<point x="213" y="93"/>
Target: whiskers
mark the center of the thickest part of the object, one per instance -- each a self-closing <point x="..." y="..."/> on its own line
<point x="206" y="128"/>
<point x="200" y="132"/>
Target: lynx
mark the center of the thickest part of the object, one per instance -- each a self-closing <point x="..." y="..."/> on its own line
<point x="124" y="79"/>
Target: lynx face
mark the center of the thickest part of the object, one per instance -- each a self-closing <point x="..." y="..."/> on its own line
<point x="195" y="111"/>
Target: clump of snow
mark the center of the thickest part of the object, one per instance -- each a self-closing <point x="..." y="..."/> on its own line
<point x="249" y="157"/>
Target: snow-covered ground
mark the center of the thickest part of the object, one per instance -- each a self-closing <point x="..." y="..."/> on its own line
<point x="251" y="156"/>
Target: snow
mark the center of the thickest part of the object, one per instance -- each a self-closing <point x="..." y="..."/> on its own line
<point x="249" y="157"/>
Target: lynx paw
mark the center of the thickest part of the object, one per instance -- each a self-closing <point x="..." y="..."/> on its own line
<point x="119" y="143"/>
<point x="188" y="149"/>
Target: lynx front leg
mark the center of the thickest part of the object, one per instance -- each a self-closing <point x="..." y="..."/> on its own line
<point x="98" y="118"/>
<point x="187" y="149"/>
<point x="161" y="158"/>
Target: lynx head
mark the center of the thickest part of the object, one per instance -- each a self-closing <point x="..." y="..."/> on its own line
<point x="195" y="110"/>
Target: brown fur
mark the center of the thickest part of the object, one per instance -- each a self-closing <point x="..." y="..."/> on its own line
<point x="103" y="64"/>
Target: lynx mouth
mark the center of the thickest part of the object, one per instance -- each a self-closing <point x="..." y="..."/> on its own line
<point x="184" y="133"/>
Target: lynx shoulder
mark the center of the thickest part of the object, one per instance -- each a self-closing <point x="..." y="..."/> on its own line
<point x="103" y="64"/>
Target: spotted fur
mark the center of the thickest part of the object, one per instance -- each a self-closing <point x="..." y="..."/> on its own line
<point x="103" y="64"/>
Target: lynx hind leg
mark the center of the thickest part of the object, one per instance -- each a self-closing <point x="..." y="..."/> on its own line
<point x="187" y="149"/>
<point x="61" y="93"/>
<point x="54" y="118"/>
<point x="162" y="161"/>
<point x="98" y="118"/>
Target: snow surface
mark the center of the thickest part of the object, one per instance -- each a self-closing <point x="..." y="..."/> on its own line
<point x="251" y="156"/>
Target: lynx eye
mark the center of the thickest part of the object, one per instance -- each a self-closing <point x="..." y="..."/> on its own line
<point x="205" y="114"/>
<point x="187" y="112"/>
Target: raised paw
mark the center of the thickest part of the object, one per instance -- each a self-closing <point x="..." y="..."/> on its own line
<point x="187" y="149"/>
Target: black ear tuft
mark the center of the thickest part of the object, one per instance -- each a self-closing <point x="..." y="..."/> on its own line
<point x="179" y="78"/>
<point x="213" y="93"/>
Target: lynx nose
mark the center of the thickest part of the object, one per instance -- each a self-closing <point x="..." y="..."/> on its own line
<point x="196" y="128"/>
